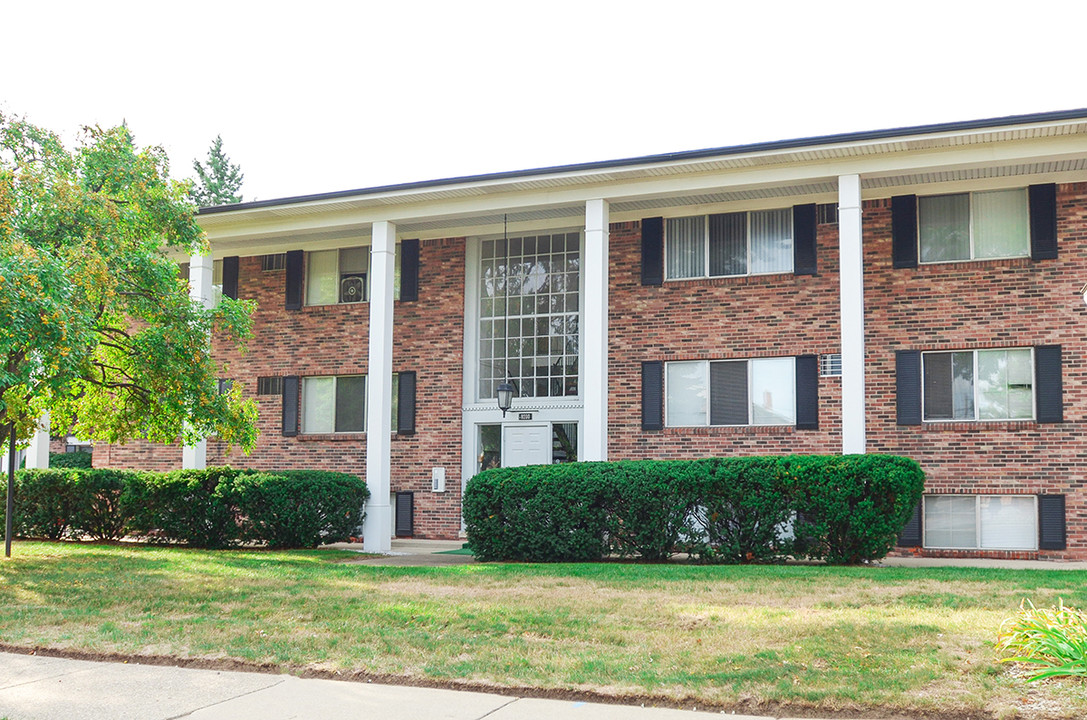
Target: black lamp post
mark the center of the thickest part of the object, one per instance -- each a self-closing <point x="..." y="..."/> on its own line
<point x="505" y="397"/>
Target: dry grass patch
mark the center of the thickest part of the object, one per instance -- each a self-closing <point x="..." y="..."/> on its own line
<point x="796" y="638"/>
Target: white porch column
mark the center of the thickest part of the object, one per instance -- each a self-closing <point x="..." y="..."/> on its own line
<point x="851" y="277"/>
<point x="594" y="333"/>
<point x="377" y="529"/>
<point x="195" y="457"/>
<point x="37" y="455"/>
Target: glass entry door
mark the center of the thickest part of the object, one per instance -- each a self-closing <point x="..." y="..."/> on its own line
<point x="521" y="443"/>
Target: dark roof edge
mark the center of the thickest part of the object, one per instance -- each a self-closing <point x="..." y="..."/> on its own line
<point x="667" y="157"/>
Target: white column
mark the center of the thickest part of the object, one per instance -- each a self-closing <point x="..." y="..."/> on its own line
<point x="195" y="457"/>
<point x="37" y="455"/>
<point x="851" y="278"/>
<point x="594" y="333"/>
<point x="377" y="529"/>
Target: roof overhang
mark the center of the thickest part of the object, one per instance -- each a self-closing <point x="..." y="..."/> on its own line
<point x="1042" y="148"/>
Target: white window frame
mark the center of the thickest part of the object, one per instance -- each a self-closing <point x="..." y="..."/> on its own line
<point x="747" y="247"/>
<point x="970" y="209"/>
<point x="977" y="521"/>
<point x="365" y="403"/>
<point x="974" y="353"/>
<point x="369" y="274"/>
<point x="709" y="400"/>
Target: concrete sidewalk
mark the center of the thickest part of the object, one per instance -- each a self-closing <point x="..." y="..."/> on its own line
<point x="48" y="688"/>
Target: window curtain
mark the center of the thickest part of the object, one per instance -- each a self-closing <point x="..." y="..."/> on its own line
<point x="685" y="244"/>
<point x="1008" y="522"/>
<point x="687" y="393"/>
<point x="950" y="521"/>
<point x="728" y="244"/>
<point x="1001" y="225"/>
<point x="322" y="281"/>
<point x="318" y="404"/>
<point x="771" y="241"/>
<point x="944" y="227"/>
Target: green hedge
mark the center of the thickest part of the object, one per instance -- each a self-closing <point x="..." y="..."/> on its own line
<point x="841" y="509"/>
<point x="214" y="508"/>
<point x="71" y="460"/>
<point x="299" y="508"/>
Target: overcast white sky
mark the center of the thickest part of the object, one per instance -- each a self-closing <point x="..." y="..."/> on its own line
<point x="319" y="96"/>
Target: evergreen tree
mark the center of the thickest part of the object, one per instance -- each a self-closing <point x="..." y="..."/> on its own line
<point x="218" y="181"/>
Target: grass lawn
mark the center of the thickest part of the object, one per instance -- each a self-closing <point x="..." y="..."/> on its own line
<point x="738" y="638"/>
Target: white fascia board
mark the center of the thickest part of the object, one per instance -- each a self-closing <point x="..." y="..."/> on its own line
<point x="246" y="227"/>
<point x="817" y="154"/>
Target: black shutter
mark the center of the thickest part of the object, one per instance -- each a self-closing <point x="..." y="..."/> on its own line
<point x="653" y="251"/>
<point x="911" y="533"/>
<point x="807" y="391"/>
<point x="290" y="405"/>
<point x="405" y="511"/>
<point x="1043" y="221"/>
<point x="652" y="395"/>
<point x="293" y="299"/>
<point x="230" y="277"/>
<point x="904" y="231"/>
<point x="908" y="386"/>
<point x="1051" y="531"/>
<point x="409" y="270"/>
<point x="405" y="403"/>
<point x="1049" y="388"/>
<point x="804" y="255"/>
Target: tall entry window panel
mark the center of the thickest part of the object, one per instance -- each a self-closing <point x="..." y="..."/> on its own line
<point x="529" y="303"/>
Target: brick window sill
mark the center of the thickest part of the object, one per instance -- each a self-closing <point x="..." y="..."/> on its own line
<point x="732" y="430"/>
<point x="343" y="437"/>
<point x="969" y="265"/>
<point x="767" y="279"/>
<point x="979" y="426"/>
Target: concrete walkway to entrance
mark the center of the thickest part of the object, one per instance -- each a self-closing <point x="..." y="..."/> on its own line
<point x="433" y="553"/>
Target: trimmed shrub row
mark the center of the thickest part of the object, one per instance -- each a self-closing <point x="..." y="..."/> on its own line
<point x="841" y="509"/>
<point x="212" y="508"/>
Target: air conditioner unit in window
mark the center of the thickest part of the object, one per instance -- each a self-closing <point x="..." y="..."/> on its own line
<point x="353" y="288"/>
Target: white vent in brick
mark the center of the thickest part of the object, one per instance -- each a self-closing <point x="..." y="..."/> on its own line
<point x="830" y="365"/>
<point x="437" y="479"/>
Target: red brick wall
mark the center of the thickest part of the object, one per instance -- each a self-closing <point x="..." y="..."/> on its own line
<point x="713" y="319"/>
<point x="986" y="304"/>
<point x="1004" y="303"/>
<point x="137" y="454"/>
<point x="334" y="340"/>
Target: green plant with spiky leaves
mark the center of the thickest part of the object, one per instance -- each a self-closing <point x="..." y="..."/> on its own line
<point x="1055" y="638"/>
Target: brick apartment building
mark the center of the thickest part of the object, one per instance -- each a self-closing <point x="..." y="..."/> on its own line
<point x="913" y="291"/>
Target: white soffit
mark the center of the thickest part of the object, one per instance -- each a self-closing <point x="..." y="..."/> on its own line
<point x="574" y="178"/>
<point x="1042" y="168"/>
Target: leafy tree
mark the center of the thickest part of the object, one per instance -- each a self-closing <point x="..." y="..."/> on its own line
<point x="96" y="326"/>
<point x="217" y="182"/>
